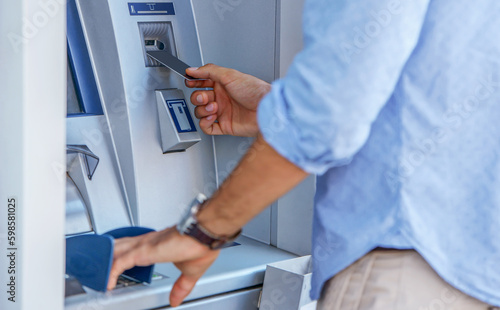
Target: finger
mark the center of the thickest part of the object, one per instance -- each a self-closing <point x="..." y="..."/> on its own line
<point x="182" y="287"/>
<point x="120" y="264"/>
<point x="199" y="83"/>
<point x="202" y="97"/>
<point x="206" y="110"/>
<point x="209" y="126"/>
<point x="123" y="245"/>
<point x="213" y="72"/>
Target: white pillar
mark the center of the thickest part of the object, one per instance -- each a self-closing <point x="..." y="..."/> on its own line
<point x="32" y="150"/>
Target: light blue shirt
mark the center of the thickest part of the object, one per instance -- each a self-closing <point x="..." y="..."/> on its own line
<point x="395" y="105"/>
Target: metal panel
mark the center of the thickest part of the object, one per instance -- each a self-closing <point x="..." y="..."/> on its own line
<point x="240" y="300"/>
<point x="289" y="34"/>
<point x="294" y="218"/>
<point x="103" y="195"/>
<point x="77" y="215"/>
<point x="32" y="126"/>
<point x="239" y="35"/>
<point x="293" y="212"/>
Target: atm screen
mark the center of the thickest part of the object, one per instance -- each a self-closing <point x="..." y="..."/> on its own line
<point x="83" y="96"/>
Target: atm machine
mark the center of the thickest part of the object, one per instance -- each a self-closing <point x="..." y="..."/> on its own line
<point x="135" y="153"/>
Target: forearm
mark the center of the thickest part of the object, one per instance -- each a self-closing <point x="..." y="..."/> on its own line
<point x="260" y="178"/>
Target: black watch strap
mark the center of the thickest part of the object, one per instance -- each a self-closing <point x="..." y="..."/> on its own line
<point x="190" y="226"/>
<point x="205" y="237"/>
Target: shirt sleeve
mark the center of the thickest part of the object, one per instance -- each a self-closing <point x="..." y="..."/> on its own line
<point x="320" y="114"/>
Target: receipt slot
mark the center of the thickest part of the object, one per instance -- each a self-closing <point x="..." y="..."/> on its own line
<point x="177" y="129"/>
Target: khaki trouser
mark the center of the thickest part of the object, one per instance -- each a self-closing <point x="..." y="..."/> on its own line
<point x="393" y="280"/>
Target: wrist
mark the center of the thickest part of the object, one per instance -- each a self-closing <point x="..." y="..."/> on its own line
<point x="216" y="222"/>
<point x="191" y="226"/>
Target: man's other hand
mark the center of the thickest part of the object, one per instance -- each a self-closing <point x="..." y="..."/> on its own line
<point x="191" y="257"/>
<point x="230" y="107"/>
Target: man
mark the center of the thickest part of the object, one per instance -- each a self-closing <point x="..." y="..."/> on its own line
<point x="394" y="105"/>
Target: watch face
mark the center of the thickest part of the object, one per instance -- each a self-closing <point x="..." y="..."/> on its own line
<point x="189" y="226"/>
<point x="189" y="217"/>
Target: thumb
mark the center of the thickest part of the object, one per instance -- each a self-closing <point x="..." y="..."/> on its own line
<point x="182" y="287"/>
<point x="213" y="72"/>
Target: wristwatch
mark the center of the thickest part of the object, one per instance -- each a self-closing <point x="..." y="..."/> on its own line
<point x="190" y="226"/>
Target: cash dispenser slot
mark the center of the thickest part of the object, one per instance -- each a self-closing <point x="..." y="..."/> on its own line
<point x="89" y="255"/>
<point x="79" y="159"/>
<point x="91" y="160"/>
